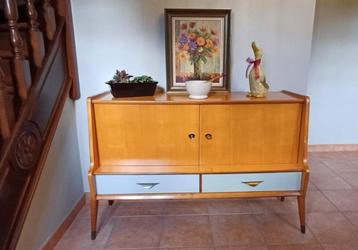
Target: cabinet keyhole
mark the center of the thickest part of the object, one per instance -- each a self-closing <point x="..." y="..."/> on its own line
<point x="191" y="136"/>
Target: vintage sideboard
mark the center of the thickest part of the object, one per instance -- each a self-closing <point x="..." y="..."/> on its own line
<point x="168" y="146"/>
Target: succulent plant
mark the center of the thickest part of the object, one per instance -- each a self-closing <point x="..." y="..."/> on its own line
<point x="142" y="79"/>
<point x="121" y="76"/>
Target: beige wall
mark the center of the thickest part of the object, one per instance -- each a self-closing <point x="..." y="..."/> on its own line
<point x="60" y="185"/>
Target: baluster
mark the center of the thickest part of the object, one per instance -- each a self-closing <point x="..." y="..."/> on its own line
<point x="50" y="19"/>
<point x="7" y="115"/>
<point x="36" y="37"/>
<point x="20" y="64"/>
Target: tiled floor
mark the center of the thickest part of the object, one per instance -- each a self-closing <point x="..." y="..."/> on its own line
<point x="332" y="218"/>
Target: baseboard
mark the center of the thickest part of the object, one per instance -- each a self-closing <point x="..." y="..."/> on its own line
<point x="332" y="147"/>
<point x="57" y="235"/>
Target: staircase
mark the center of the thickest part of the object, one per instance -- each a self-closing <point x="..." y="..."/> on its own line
<point x="37" y="73"/>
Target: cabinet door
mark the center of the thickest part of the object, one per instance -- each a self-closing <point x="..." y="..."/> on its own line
<point x="249" y="134"/>
<point x="147" y="134"/>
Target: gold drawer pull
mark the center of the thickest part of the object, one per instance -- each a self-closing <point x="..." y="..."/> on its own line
<point x="252" y="183"/>
<point x="208" y="136"/>
<point x="148" y="185"/>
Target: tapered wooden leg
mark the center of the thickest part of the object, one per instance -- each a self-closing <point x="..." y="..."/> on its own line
<point x="302" y="213"/>
<point x="110" y="202"/>
<point x="94" y="212"/>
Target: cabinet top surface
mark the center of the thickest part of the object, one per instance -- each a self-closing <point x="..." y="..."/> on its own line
<point x="214" y="98"/>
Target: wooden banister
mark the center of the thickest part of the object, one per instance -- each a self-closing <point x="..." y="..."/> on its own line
<point x="36" y="37"/>
<point x="7" y="115"/>
<point x="20" y="64"/>
<point x="50" y="19"/>
<point x="27" y="131"/>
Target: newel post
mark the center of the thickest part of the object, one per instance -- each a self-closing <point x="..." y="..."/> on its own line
<point x="20" y="64"/>
<point x="36" y="37"/>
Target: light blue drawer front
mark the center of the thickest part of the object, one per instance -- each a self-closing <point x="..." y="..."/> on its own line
<point x="142" y="184"/>
<point x="266" y="182"/>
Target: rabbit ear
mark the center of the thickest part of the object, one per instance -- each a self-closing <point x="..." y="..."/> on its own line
<point x="254" y="47"/>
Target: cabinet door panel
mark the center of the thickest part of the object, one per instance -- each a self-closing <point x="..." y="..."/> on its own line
<point x="249" y="134"/>
<point x="147" y="134"/>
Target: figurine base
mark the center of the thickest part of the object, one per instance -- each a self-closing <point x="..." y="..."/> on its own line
<point x="256" y="95"/>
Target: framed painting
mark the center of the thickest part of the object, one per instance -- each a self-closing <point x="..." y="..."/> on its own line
<point x="197" y="47"/>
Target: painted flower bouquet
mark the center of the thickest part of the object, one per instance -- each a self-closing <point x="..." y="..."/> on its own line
<point x="197" y="45"/>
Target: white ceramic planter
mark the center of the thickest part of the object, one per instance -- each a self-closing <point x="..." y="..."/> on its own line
<point x="198" y="89"/>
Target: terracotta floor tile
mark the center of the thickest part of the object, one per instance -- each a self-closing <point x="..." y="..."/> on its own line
<point x="186" y="207"/>
<point x="242" y="248"/>
<point x="341" y="246"/>
<point x="229" y="206"/>
<point x="135" y="232"/>
<point x="351" y="178"/>
<point x="189" y="231"/>
<point x="352" y="217"/>
<point x="283" y="229"/>
<point x="312" y="186"/>
<point x="296" y="247"/>
<point x="240" y="230"/>
<point x="274" y="205"/>
<point x="133" y="208"/>
<point x="344" y="200"/>
<point x="78" y="236"/>
<point x="341" y="166"/>
<point x="320" y="169"/>
<point x="331" y="182"/>
<point x="188" y="248"/>
<point x="317" y="202"/>
<point x="331" y="227"/>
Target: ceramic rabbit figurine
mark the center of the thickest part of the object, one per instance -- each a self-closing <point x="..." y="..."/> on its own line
<point x="257" y="80"/>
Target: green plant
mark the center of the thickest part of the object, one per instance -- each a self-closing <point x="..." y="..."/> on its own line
<point x="142" y="79"/>
<point x="121" y="76"/>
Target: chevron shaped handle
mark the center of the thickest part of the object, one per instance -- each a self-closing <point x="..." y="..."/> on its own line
<point x="252" y="183"/>
<point x="148" y="185"/>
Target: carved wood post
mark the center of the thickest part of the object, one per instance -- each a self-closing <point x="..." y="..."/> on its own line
<point x="20" y="64"/>
<point x="36" y="37"/>
<point x="7" y="117"/>
<point x="50" y="19"/>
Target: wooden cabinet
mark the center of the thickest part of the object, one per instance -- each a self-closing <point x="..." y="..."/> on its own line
<point x="147" y="135"/>
<point x="167" y="147"/>
<point x="238" y="134"/>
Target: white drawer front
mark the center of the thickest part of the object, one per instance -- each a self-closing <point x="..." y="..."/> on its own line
<point x="259" y="182"/>
<point x="142" y="184"/>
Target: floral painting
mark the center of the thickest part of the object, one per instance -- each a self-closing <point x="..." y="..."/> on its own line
<point x="197" y="49"/>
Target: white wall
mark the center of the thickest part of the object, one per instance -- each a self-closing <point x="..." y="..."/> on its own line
<point x="60" y="186"/>
<point x="129" y="34"/>
<point x="333" y="83"/>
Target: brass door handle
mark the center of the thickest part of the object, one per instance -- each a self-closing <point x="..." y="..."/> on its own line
<point x="208" y="136"/>
<point x="148" y="185"/>
<point x="191" y="136"/>
<point x="252" y="183"/>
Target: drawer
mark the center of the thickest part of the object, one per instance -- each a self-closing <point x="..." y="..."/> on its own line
<point x="142" y="184"/>
<point x="251" y="182"/>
